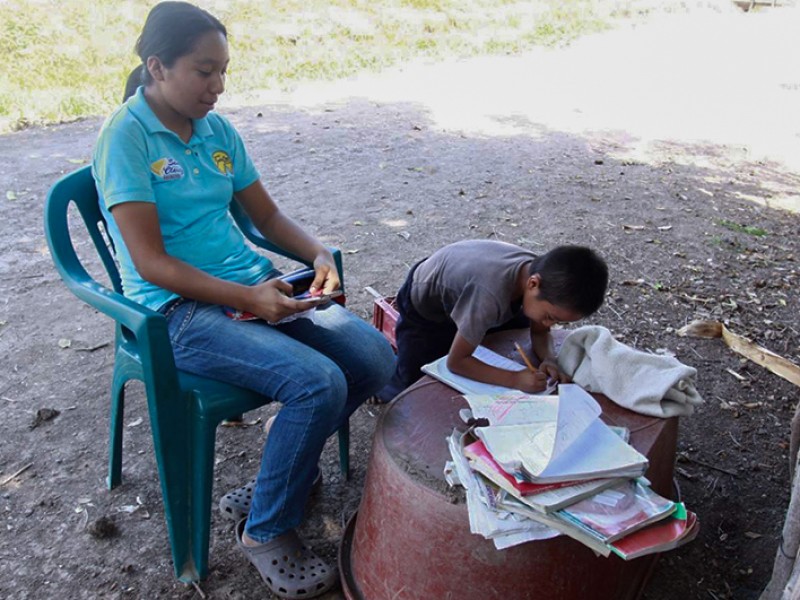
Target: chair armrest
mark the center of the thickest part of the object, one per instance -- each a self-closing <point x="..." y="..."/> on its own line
<point x="145" y="324"/>
<point x="125" y="311"/>
<point x="142" y="329"/>
<point x="254" y="235"/>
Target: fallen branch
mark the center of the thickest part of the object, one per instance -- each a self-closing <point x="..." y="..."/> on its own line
<point x="761" y="356"/>
<point x="710" y="466"/>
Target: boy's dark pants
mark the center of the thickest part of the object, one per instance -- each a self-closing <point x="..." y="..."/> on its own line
<point x="421" y="341"/>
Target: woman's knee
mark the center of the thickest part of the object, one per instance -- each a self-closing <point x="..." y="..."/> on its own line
<point x="375" y="359"/>
<point x="325" y="391"/>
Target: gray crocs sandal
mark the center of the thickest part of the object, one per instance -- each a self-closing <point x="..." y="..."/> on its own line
<point x="289" y="568"/>
<point x="235" y="505"/>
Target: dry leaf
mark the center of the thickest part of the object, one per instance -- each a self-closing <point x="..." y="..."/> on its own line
<point x="241" y="423"/>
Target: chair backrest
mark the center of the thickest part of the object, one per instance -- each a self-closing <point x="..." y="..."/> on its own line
<point x="78" y="188"/>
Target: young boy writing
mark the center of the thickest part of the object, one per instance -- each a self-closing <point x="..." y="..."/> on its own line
<point x="453" y="298"/>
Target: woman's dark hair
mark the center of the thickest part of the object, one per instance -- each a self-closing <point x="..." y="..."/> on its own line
<point x="170" y="31"/>
<point x="573" y="277"/>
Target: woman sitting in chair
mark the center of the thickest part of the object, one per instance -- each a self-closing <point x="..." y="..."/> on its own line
<point x="166" y="168"/>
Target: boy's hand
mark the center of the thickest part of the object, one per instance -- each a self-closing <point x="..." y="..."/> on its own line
<point x="551" y="370"/>
<point x="529" y="382"/>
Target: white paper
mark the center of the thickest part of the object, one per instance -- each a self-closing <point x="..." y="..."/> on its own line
<point x="485" y="517"/>
<point x="438" y="370"/>
<point x="513" y="407"/>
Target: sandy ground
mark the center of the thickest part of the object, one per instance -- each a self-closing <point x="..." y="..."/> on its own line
<point x="657" y="144"/>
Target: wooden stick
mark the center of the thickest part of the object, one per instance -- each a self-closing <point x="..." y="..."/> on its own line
<point x="13" y="475"/>
<point x="710" y="466"/>
<point x="375" y="293"/>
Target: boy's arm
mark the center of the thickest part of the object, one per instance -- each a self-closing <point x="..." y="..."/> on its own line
<point x="542" y="344"/>
<point x="461" y="362"/>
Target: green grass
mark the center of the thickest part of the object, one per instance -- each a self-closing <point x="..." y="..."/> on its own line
<point x="69" y="59"/>
<point x="748" y="229"/>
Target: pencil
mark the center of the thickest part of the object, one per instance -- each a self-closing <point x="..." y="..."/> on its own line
<point x="525" y="357"/>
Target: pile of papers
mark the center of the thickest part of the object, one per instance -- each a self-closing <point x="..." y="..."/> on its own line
<point x="547" y="465"/>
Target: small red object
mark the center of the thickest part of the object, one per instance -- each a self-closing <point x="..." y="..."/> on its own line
<point x="384" y="318"/>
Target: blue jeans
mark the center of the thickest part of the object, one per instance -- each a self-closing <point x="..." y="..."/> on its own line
<point x="320" y="370"/>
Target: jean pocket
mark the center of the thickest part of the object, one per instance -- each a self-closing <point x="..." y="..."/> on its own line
<point x="179" y="317"/>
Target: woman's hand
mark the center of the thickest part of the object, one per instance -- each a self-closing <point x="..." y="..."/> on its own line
<point x="326" y="277"/>
<point x="272" y="301"/>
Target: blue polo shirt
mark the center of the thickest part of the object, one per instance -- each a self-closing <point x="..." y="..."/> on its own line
<point x="137" y="159"/>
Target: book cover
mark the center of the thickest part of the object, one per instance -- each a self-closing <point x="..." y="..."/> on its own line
<point x="556" y="499"/>
<point x="513" y="505"/>
<point x="680" y="528"/>
<point x="618" y="511"/>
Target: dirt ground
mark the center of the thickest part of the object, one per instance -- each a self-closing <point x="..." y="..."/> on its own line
<point x="671" y="148"/>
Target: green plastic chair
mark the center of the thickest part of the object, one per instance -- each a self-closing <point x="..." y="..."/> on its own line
<point x="184" y="409"/>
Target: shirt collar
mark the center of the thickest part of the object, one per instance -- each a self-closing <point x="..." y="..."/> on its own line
<point x="141" y="110"/>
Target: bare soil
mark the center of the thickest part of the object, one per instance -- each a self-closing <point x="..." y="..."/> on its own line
<point x="674" y="156"/>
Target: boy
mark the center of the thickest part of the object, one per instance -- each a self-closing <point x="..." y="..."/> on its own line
<point x="451" y="299"/>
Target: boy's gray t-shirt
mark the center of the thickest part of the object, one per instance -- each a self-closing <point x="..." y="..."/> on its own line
<point x="472" y="283"/>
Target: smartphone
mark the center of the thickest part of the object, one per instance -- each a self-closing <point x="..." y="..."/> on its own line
<point x="307" y="297"/>
<point x="299" y="280"/>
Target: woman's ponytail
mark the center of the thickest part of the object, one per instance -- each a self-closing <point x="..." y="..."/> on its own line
<point x="135" y="79"/>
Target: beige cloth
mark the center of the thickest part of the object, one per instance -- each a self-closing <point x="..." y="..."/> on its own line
<point x="650" y="384"/>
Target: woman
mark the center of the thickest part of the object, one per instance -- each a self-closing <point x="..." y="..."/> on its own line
<point x="166" y="167"/>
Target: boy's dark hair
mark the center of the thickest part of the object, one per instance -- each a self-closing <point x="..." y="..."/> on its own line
<point x="170" y="31"/>
<point x="574" y="277"/>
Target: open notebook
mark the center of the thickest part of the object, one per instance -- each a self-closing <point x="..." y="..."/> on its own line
<point x="438" y="370"/>
<point x="551" y="439"/>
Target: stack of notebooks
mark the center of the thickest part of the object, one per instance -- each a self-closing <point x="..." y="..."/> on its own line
<point x="550" y="461"/>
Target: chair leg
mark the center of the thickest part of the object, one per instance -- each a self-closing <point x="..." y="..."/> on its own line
<point x="115" y="441"/>
<point x="344" y="450"/>
<point x="203" y="444"/>
<point x="170" y="424"/>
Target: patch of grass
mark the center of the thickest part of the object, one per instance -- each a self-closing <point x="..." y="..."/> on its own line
<point x="748" y="229"/>
<point x="69" y="59"/>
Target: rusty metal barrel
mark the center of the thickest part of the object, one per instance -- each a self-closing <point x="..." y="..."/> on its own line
<point x="410" y="539"/>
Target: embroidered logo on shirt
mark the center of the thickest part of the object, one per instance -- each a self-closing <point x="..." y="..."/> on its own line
<point x="167" y="168"/>
<point x="223" y="162"/>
